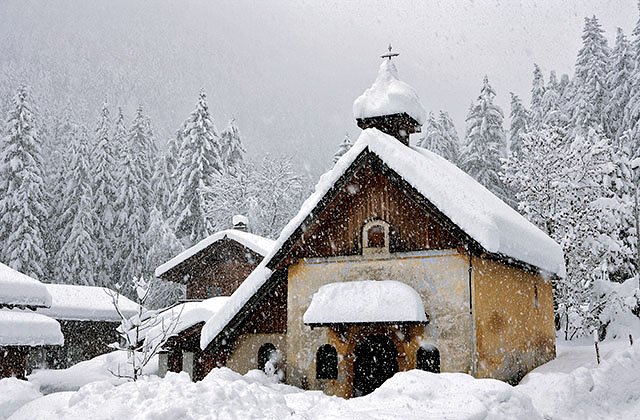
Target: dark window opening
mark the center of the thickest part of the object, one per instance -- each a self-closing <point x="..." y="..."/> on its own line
<point x="326" y="362"/>
<point x="428" y="359"/>
<point x="265" y="353"/>
<point x="375" y="237"/>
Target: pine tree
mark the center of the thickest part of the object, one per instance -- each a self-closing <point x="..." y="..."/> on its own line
<point x="537" y="95"/>
<point x="200" y="160"/>
<point x="133" y="200"/>
<point x="551" y="103"/>
<point x="77" y="257"/>
<point x="232" y="149"/>
<point x="619" y="84"/>
<point x="485" y="142"/>
<point x="591" y="78"/>
<point x="343" y="148"/>
<point x="23" y="206"/>
<point x="104" y="184"/>
<point x="520" y="120"/>
<point x="440" y="136"/>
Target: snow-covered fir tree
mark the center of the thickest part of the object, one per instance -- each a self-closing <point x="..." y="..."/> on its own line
<point x="232" y="149"/>
<point x="440" y="136"/>
<point x="133" y="200"/>
<point x="591" y="78"/>
<point x="343" y="147"/>
<point x="485" y="142"/>
<point x="200" y="161"/>
<point x="537" y="95"/>
<point x="23" y="202"/>
<point x="520" y="120"/>
<point x="104" y="180"/>
<point x="619" y="85"/>
<point x="77" y="257"/>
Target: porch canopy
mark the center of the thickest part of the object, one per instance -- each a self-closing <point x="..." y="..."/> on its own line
<point x="365" y="302"/>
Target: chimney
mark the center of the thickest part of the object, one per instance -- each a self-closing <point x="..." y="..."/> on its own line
<point x="241" y="223"/>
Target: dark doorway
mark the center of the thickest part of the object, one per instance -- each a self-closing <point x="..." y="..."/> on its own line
<point x="264" y="354"/>
<point x="428" y="358"/>
<point x="376" y="360"/>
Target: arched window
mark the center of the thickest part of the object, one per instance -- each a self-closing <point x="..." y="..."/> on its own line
<point x="428" y="359"/>
<point x="375" y="237"/>
<point x="326" y="362"/>
<point x="265" y="353"/>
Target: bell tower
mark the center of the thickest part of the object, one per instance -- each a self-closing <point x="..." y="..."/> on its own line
<point x="390" y="105"/>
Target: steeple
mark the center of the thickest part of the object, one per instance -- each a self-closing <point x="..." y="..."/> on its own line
<point x="390" y="105"/>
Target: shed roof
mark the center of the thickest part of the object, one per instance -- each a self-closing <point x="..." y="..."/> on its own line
<point x="256" y="243"/>
<point x="26" y="328"/>
<point x="365" y="301"/>
<point x="17" y="289"/>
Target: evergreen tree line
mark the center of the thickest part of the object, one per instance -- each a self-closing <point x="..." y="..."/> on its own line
<point x="568" y="163"/>
<point x="102" y="206"/>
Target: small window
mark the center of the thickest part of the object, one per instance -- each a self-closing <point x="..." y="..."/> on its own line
<point x="265" y="354"/>
<point x="326" y="362"/>
<point x="375" y="237"/>
<point x="428" y="359"/>
<point x="536" y="301"/>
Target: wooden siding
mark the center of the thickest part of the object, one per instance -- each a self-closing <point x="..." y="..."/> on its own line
<point x="13" y="361"/>
<point x="217" y="270"/>
<point x="367" y="195"/>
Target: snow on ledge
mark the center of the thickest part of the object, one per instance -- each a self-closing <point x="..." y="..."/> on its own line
<point x="365" y="301"/>
<point x="26" y="328"/>
<point x="389" y="95"/>
<point x="17" y="289"/>
<point x="257" y="244"/>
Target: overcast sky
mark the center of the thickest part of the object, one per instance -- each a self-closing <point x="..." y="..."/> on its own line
<point x="289" y="71"/>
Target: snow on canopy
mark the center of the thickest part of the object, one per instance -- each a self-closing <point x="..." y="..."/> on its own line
<point x="172" y="321"/>
<point x="25" y="328"/>
<point x="365" y="301"/>
<point x="86" y="303"/>
<point x="17" y="289"/>
<point x="484" y="217"/>
<point x="389" y="95"/>
<point x="256" y="243"/>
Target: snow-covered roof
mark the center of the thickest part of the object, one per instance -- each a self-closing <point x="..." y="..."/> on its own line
<point x="389" y="95"/>
<point x="178" y="318"/>
<point x="257" y="244"/>
<point x="479" y="213"/>
<point x="86" y="303"/>
<point x="26" y="328"/>
<point x="17" y="289"/>
<point x="365" y="301"/>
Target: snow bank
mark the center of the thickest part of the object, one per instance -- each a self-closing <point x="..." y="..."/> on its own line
<point x="257" y="244"/>
<point x="97" y="369"/>
<point x="389" y="95"/>
<point x="610" y="390"/>
<point x="18" y="328"/>
<point x="17" y="289"/>
<point x="14" y="393"/>
<point x="43" y="408"/>
<point x="237" y="300"/>
<point x="86" y="303"/>
<point x="365" y="301"/>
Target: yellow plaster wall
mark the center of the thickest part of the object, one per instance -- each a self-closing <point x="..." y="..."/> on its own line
<point x="441" y="279"/>
<point x="514" y="333"/>
<point x="244" y="356"/>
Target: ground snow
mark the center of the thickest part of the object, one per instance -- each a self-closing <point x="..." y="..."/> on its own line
<point x="365" y="301"/>
<point x="19" y="289"/>
<point x="15" y="393"/>
<point x="571" y="387"/>
<point x="97" y="369"/>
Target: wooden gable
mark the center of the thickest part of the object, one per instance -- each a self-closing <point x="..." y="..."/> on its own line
<point x="217" y="270"/>
<point x="372" y="191"/>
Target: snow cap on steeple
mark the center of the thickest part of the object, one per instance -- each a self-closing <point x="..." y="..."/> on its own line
<point x="390" y="104"/>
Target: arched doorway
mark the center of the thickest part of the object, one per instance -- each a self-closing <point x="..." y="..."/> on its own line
<point x="376" y="360"/>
